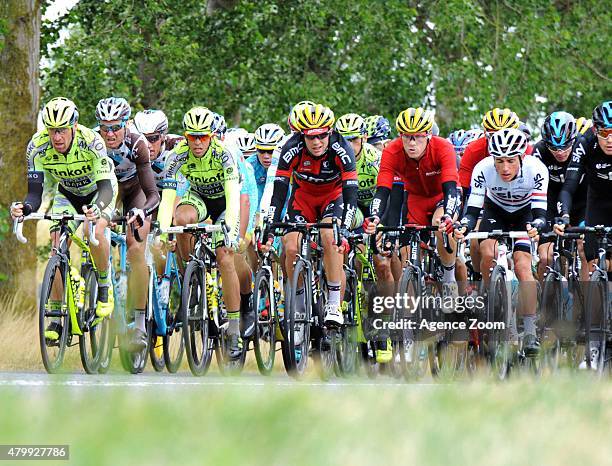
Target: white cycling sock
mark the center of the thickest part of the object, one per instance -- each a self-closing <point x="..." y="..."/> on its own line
<point x="449" y="273"/>
<point x="334" y="293"/>
<point x="139" y="319"/>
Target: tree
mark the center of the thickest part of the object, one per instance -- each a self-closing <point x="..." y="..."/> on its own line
<point x="251" y="60"/>
<point x="19" y="100"/>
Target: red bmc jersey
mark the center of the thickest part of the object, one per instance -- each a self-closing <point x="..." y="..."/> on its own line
<point x="474" y="153"/>
<point x="423" y="177"/>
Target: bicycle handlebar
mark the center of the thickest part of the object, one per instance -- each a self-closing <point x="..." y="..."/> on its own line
<point x="598" y="230"/>
<point x="18" y="224"/>
<point x="496" y="234"/>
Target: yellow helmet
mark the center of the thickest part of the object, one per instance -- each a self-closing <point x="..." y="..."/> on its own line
<point x="60" y="112"/>
<point x="294" y="113"/>
<point x="415" y="120"/>
<point x="500" y="118"/>
<point x="199" y="120"/>
<point x="582" y="124"/>
<point x="313" y="119"/>
<point x="351" y="126"/>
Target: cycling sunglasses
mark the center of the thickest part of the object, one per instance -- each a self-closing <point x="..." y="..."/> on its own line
<point x="153" y="137"/>
<point x="113" y="128"/>
<point x="320" y="137"/>
<point x="560" y="148"/>
<point x="414" y="136"/>
<point x="604" y="132"/>
<point x="196" y="137"/>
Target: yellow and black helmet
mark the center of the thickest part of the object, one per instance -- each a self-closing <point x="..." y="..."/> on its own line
<point x="295" y="110"/>
<point x="351" y="126"/>
<point x="414" y="120"/>
<point x="60" y="112"/>
<point x="314" y="119"/>
<point x="199" y="120"/>
<point x="500" y="118"/>
<point x="582" y="124"/>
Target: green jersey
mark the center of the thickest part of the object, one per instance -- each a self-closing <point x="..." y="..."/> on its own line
<point x="214" y="175"/>
<point x="367" y="173"/>
<point x="76" y="171"/>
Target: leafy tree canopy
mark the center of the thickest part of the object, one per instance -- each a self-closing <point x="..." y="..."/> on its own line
<point x="253" y="60"/>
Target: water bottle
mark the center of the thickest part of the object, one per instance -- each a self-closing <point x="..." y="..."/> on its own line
<point x="164" y="291"/>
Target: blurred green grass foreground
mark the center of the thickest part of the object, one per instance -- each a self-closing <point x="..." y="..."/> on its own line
<point x="562" y="420"/>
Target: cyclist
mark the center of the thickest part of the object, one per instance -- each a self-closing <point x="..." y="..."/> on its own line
<point x="153" y="125"/>
<point x="212" y="172"/>
<point x="248" y="210"/>
<point x="245" y="141"/>
<point x="321" y="164"/>
<point x="378" y="130"/>
<point x="512" y="190"/>
<point x="353" y="128"/>
<point x="129" y="151"/>
<point x="494" y="120"/>
<point x="73" y="159"/>
<point x="591" y="158"/>
<point x="559" y="136"/>
<point x="267" y="138"/>
<point x="427" y="166"/>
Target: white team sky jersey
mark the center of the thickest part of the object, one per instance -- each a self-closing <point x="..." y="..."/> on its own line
<point x="528" y="188"/>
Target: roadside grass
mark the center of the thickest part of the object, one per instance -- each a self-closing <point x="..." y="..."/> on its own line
<point x="560" y="421"/>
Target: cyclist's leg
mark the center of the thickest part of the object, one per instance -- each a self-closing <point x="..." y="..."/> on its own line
<point x="191" y="209"/>
<point x="133" y="197"/>
<point x="332" y="260"/>
<point x="231" y="285"/>
<point x="493" y="218"/>
<point x="448" y="259"/>
<point x="545" y="253"/>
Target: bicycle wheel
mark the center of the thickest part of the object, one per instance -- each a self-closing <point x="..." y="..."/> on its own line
<point x="348" y="343"/>
<point x="265" y="333"/>
<point x="156" y="351"/>
<point x="499" y="347"/>
<point x="410" y="348"/>
<point x="325" y="351"/>
<point x="284" y="330"/>
<point x="448" y="359"/>
<point x="298" y="330"/>
<point x="195" y="319"/>
<point x="52" y="351"/>
<point x="173" y="341"/>
<point x="91" y="342"/>
<point x="108" y="344"/>
<point x="135" y="362"/>
<point x="596" y="333"/>
<point x="552" y="329"/>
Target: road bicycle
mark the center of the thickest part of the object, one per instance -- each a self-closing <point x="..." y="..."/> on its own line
<point x="68" y="297"/>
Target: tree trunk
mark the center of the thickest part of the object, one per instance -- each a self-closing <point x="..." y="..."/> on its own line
<point x="19" y="101"/>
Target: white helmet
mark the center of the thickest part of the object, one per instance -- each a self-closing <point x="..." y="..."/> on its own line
<point x="267" y="136"/>
<point x="151" y="121"/>
<point x="246" y="142"/>
<point x="113" y="108"/>
<point x="510" y="142"/>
